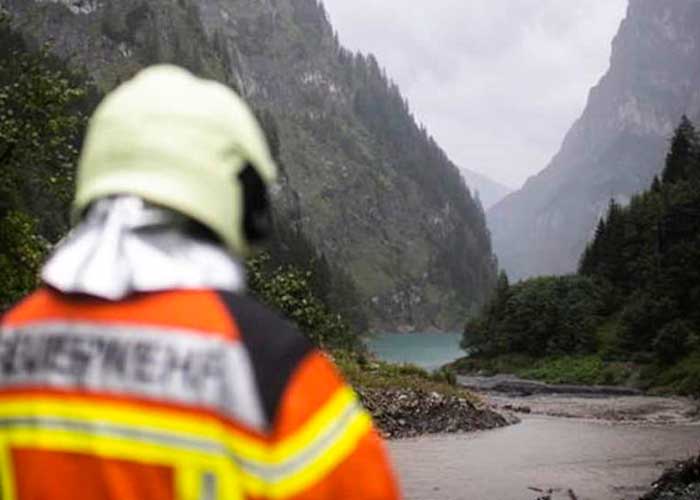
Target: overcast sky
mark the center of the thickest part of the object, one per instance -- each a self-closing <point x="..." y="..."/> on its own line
<point x="496" y="82"/>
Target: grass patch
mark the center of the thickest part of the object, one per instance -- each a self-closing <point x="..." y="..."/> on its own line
<point x="582" y="370"/>
<point x="579" y="370"/>
<point x="363" y="372"/>
<point x="506" y="363"/>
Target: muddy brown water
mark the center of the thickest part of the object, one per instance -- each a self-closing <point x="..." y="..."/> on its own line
<point x="596" y="460"/>
<point x="602" y="449"/>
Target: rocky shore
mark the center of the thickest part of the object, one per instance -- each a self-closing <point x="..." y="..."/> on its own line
<point x="612" y="404"/>
<point x="679" y="483"/>
<point x="404" y="413"/>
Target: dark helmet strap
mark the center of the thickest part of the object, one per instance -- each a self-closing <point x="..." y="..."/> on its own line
<point x="257" y="220"/>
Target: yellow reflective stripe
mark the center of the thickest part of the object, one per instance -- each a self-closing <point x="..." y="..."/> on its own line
<point x="200" y="426"/>
<point x="321" y="445"/>
<point x="188" y="464"/>
<point x="7" y="476"/>
<point x="166" y="436"/>
<point x="197" y="426"/>
<point x="105" y="445"/>
<point x="311" y="430"/>
<point x="325" y="462"/>
<point x="99" y="411"/>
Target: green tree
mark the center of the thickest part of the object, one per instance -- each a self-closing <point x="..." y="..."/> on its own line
<point x="40" y="128"/>
<point x="289" y="290"/>
<point x="539" y="317"/>
<point x="683" y="154"/>
<point x="672" y="342"/>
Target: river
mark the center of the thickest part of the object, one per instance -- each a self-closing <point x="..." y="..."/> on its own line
<point x="595" y="460"/>
<point x="427" y="350"/>
<point x="597" y="448"/>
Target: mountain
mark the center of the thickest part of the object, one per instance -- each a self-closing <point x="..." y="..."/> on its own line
<point x="490" y="192"/>
<point x="380" y="203"/>
<point x="630" y="315"/>
<point x="614" y="149"/>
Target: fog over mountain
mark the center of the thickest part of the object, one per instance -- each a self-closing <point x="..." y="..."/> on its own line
<point x="497" y="82"/>
<point x="614" y="149"/>
<point x="489" y="191"/>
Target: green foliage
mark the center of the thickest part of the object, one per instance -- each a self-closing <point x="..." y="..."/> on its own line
<point x="642" y="317"/>
<point x="40" y="127"/>
<point x="683" y="154"/>
<point x="650" y="252"/>
<point x="586" y="370"/>
<point x="504" y="363"/>
<point x="289" y="290"/>
<point x="21" y="255"/>
<point x="446" y="375"/>
<point x="590" y="369"/>
<point x="644" y="262"/>
<point x="361" y="372"/>
<point x="331" y="284"/>
<point x="539" y="317"/>
<point x="682" y="378"/>
<point x="673" y="340"/>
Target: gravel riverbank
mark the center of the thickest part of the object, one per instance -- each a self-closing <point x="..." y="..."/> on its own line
<point x="611" y="404"/>
<point x="514" y="386"/>
<point x="404" y="413"/>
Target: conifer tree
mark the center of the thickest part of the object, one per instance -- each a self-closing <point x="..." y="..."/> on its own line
<point x="683" y="153"/>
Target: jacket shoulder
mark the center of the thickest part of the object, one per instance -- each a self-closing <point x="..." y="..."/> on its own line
<point x="276" y="348"/>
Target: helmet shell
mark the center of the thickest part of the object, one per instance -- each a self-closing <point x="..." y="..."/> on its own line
<point x="177" y="141"/>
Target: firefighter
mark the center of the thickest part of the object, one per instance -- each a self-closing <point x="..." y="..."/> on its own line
<point x="141" y="370"/>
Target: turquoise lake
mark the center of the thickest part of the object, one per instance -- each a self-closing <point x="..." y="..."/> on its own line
<point x="427" y="350"/>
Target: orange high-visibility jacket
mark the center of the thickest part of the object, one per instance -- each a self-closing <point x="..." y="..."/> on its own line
<point x="176" y="395"/>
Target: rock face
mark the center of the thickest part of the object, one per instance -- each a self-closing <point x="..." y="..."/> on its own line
<point x="370" y="189"/>
<point x="614" y="149"/>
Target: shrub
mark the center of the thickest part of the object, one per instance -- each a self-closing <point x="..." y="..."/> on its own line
<point x="671" y="344"/>
<point x="20" y="258"/>
<point x="289" y="290"/>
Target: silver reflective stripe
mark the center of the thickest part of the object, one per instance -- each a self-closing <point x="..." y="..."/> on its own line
<point x="104" y="429"/>
<point x="268" y="473"/>
<point x="165" y="364"/>
<point x="208" y="491"/>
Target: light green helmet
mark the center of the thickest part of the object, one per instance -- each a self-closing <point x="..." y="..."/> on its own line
<point x="177" y="141"/>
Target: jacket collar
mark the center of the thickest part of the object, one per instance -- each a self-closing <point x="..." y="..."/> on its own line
<point x="125" y="245"/>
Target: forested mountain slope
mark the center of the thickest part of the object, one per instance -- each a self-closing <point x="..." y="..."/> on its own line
<point x="379" y="201"/>
<point x="614" y="149"/>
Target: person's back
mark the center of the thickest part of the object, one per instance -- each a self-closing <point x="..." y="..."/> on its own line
<point x="141" y="370"/>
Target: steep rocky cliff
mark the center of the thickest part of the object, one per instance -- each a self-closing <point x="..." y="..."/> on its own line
<point x="614" y="149"/>
<point x="372" y="191"/>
